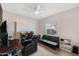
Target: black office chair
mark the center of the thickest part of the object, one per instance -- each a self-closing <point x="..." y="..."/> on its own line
<point x="29" y="48"/>
<point x="29" y="45"/>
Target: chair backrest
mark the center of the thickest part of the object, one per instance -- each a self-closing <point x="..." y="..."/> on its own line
<point x="30" y="34"/>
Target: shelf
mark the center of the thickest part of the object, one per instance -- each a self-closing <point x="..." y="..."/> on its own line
<point x="66" y="45"/>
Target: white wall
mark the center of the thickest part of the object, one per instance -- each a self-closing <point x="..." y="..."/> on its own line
<point x="67" y="25"/>
<point x="23" y="23"/>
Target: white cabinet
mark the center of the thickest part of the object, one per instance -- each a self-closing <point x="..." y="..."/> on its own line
<point x="66" y="45"/>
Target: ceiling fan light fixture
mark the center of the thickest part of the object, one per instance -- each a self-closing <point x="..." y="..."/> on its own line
<point x="37" y="12"/>
<point x="37" y="9"/>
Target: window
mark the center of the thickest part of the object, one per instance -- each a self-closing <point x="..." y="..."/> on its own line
<point x="50" y="29"/>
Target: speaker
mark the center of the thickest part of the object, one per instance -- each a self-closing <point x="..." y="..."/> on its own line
<point x="75" y="49"/>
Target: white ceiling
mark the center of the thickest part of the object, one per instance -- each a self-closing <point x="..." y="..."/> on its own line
<point x="46" y="9"/>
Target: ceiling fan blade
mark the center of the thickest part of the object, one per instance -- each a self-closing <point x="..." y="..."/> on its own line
<point x="38" y="7"/>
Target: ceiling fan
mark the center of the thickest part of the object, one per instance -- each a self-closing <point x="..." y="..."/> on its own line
<point x="37" y="9"/>
<point x="34" y="8"/>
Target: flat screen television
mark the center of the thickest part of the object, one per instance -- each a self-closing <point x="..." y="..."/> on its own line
<point x="3" y="27"/>
<point x="3" y="34"/>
